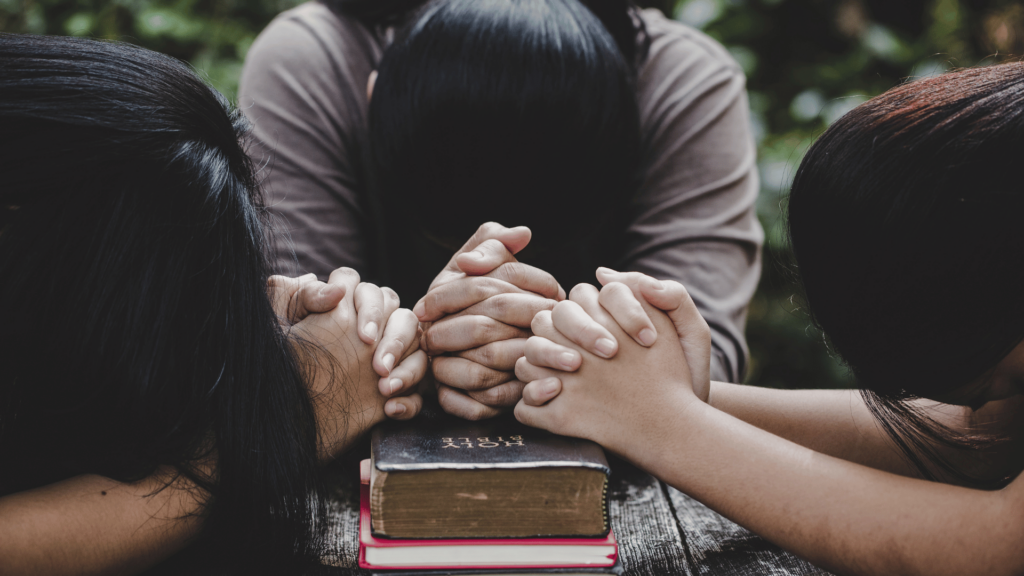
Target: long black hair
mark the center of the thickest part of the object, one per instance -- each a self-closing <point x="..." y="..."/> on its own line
<point x="135" y="326"/>
<point x="905" y="221"/>
<point x="520" y="111"/>
<point x="619" y="17"/>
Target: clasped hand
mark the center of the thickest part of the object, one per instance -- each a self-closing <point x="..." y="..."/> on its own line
<point x="575" y="388"/>
<point x="358" y="350"/>
<point x="476" y="318"/>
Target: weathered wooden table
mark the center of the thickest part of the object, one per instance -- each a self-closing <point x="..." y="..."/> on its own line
<point x="660" y="531"/>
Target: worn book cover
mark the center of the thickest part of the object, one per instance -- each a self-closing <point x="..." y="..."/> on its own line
<point x="438" y="476"/>
<point x="484" y="554"/>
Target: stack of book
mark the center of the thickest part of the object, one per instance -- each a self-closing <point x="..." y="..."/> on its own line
<point x="446" y="496"/>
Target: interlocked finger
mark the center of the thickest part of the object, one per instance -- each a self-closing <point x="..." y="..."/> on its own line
<point x="621" y="303"/>
<point x="466" y="374"/>
<point x="543" y="352"/>
<point x="295" y="298"/>
<point x="404" y="378"/>
<point x="514" y="309"/>
<point x="528" y="372"/>
<point x="540" y="392"/>
<point x="465" y="332"/>
<point x="370" y="311"/>
<point x="401" y="338"/>
<point x="504" y="395"/>
<point x="501" y="355"/>
<point x="529" y="278"/>
<point x="457" y="295"/>
<point x="458" y="403"/>
<point x="579" y="327"/>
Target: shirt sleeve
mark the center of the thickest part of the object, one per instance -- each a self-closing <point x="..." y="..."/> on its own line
<point x="303" y="87"/>
<point x="695" y="219"/>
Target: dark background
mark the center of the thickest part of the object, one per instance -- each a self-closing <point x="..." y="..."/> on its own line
<point x="807" y="63"/>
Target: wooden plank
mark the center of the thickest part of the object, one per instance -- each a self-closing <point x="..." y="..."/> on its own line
<point x="641" y="516"/>
<point x="342" y="546"/>
<point x="719" y="546"/>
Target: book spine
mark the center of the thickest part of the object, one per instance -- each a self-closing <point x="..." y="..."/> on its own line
<point x="604" y="505"/>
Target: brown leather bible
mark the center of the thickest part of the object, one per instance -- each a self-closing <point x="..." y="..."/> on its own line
<point x="437" y="476"/>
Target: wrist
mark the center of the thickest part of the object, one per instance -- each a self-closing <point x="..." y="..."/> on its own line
<point x="665" y="429"/>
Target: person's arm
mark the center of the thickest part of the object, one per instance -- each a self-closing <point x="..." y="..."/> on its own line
<point x="833" y="422"/>
<point x="843" y="516"/>
<point x="303" y="86"/>
<point x="694" y="215"/>
<point x="95" y="525"/>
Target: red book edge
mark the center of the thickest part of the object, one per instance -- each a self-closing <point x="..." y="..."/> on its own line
<point x="367" y="539"/>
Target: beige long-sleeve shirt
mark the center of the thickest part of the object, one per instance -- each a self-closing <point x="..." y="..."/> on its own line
<point x="693" y="220"/>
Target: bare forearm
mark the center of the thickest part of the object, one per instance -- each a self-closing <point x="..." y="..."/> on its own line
<point x="95" y="525"/>
<point x="833" y="422"/>
<point x="848" y="518"/>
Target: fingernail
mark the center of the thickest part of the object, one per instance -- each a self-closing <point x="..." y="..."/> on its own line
<point x="656" y="284"/>
<point x="647" y="336"/>
<point x="549" y="387"/>
<point x="371" y="330"/>
<point x="395" y="384"/>
<point x="395" y="409"/>
<point x="476" y="254"/>
<point x="419" y="309"/>
<point x="567" y="360"/>
<point x="604" y="270"/>
<point x="388" y="361"/>
<point x="605" y="347"/>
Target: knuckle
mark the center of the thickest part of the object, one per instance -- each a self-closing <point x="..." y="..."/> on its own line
<point x="480" y="289"/>
<point x="524" y="370"/>
<point x="372" y="312"/>
<point x="431" y="300"/>
<point x="575" y="291"/>
<point x="346" y="272"/>
<point x="487" y="355"/>
<point x="396" y="346"/>
<point x="542" y="319"/>
<point x="431" y="339"/>
<point x="513" y="272"/>
<point x="489" y="228"/>
<point x="615" y="289"/>
<point x="483" y="377"/>
<point x="405" y="315"/>
<point x="475" y="412"/>
<point x="491" y="245"/>
<point x="484" y="329"/>
<point x="497" y="396"/>
<point x="500" y="305"/>
<point x="637" y="319"/>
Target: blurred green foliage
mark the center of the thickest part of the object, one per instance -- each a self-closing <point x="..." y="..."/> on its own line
<point x="807" y="62"/>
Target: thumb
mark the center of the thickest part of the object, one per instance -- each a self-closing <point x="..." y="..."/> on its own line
<point x="530" y="415"/>
<point x="513" y="239"/>
<point x="484" y="258"/>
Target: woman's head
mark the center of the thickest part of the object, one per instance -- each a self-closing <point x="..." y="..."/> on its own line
<point x="520" y="111"/>
<point x="137" y="331"/>
<point x="905" y="219"/>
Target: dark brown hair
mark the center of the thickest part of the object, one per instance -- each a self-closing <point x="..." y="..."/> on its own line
<point x="905" y="221"/>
